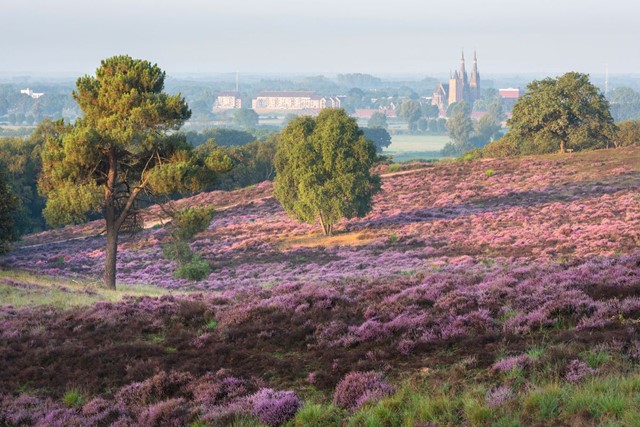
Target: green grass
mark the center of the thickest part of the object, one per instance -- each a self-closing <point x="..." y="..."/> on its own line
<point x="73" y="399"/>
<point x="42" y="290"/>
<point x="612" y="400"/>
<point x="405" y="148"/>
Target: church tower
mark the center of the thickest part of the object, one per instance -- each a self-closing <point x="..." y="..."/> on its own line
<point x="474" y="83"/>
<point x="460" y="87"/>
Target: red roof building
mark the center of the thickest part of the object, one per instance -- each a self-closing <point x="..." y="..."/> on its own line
<point x="509" y="93"/>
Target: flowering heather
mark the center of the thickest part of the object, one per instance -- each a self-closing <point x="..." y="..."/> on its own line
<point x="577" y="370"/>
<point x="543" y="251"/>
<point x="274" y="407"/>
<point x="162" y="400"/>
<point x="530" y="210"/>
<point x="511" y="363"/>
<point x="358" y="388"/>
<point x="499" y="395"/>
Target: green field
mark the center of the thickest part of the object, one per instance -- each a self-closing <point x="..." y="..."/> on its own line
<point x="404" y="148"/>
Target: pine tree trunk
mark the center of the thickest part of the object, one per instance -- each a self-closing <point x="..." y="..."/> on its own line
<point x="562" y="146"/>
<point x="110" y="256"/>
<point x="111" y="250"/>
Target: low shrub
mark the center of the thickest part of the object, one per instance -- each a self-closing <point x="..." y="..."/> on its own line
<point x="503" y="147"/>
<point x="191" y="221"/>
<point x="274" y="407"/>
<point x="473" y="154"/>
<point x="394" y="168"/>
<point x="197" y="269"/>
<point x="177" y="251"/>
<point x="358" y="388"/>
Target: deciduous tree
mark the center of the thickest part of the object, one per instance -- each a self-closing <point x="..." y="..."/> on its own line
<point x="8" y="205"/>
<point x="378" y="120"/>
<point x="460" y="129"/>
<point x="323" y="169"/>
<point x="565" y="112"/>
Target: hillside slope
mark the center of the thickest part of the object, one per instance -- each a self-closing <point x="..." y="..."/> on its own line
<point x="554" y="208"/>
<point x="501" y="292"/>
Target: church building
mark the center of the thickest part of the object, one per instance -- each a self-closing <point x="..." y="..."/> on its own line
<point x="461" y="87"/>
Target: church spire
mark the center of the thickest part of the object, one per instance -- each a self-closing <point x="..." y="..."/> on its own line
<point x="463" y="72"/>
<point x="474" y="83"/>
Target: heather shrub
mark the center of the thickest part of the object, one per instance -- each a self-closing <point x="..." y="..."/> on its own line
<point x="101" y="412"/>
<point x="358" y="388"/>
<point x="167" y="413"/>
<point x="274" y="407"/>
<point x="161" y="386"/>
<point x="197" y="269"/>
<point x="577" y="370"/>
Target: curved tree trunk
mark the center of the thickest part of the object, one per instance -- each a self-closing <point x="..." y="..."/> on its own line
<point x="110" y="257"/>
<point x="111" y="250"/>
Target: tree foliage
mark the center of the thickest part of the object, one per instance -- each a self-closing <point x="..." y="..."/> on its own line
<point x="323" y="169"/>
<point x="249" y="164"/>
<point x="8" y="205"/>
<point x="628" y="133"/>
<point x="120" y="148"/>
<point x="20" y="158"/>
<point x="410" y="111"/>
<point x="380" y="138"/>
<point x="378" y="120"/>
<point x="460" y="129"/>
<point x="185" y="224"/>
<point x="625" y="104"/>
<point x="567" y="112"/>
<point x="221" y="136"/>
<point x="245" y="118"/>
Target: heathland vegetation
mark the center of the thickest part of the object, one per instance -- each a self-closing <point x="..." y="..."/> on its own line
<point x="498" y="291"/>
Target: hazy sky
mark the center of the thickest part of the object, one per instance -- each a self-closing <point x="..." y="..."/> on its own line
<point x="322" y="36"/>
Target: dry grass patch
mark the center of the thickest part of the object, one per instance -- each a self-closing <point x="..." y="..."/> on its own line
<point x="357" y="238"/>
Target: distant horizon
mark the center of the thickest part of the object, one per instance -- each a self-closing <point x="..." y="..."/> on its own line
<point x="416" y="37"/>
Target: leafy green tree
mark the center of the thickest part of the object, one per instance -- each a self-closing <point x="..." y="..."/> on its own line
<point x="248" y="164"/>
<point x="628" y="133"/>
<point x="378" y="120"/>
<point x="323" y="169"/>
<point x="8" y="205"/>
<point x="185" y="224"/>
<point x="423" y="124"/>
<point x="561" y="113"/>
<point x="410" y="111"/>
<point x="625" y="104"/>
<point x="122" y="147"/>
<point x="486" y="129"/>
<point x="222" y="137"/>
<point x="380" y="138"/>
<point x="431" y="111"/>
<point x="460" y="129"/>
<point x="20" y="159"/>
<point x="245" y="118"/>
